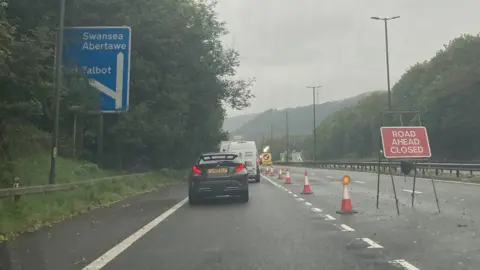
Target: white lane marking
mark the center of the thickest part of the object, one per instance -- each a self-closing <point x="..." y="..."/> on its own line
<point x="289" y="192"/>
<point x="331" y="177"/>
<point x="300" y="199"/>
<point x="406" y="265"/>
<point x="411" y="191"/>
<point x="307" y="203"/>
<point x="328" y="217"/>
<point x="122" y="246"/>
<point x="295" y="195"/>
<point x="370" y="242"/>
<point x="360" y="182"/>
<point x="316" y="210"/>
<point x="346" y="228"/>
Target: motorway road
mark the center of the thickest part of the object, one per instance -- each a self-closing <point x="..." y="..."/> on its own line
<point x="278" y="229"/>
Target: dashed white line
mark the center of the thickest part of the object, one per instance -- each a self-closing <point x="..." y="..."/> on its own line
<point x="328" y="176"/>
<point x="289" y="192"/>
<point x="360" y="182"/>
<point x="404" y="264"/>
<point x="316" y="210"/>
<point x="300" y="199"/>
<point x="295" y="195"/>
<point x="307" y="203"/>
<point x="328" y="217"/>
<point x="122" y="246"/>
<point x="408" y="190"/>
<point x="346" y="228"/>
<point x="371" y="243"/>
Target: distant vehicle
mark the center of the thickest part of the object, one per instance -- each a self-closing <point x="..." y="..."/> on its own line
<point x="247" y="150"/>
<point x="238" y="138"/>
<point x="223" y="147"/>
<point x="218" y="174"/>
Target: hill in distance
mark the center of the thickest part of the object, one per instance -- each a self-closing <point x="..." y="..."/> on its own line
<point x="300" y="120"/>
<point x="235" y="122"/>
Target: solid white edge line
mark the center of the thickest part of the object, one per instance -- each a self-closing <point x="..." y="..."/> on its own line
<point x="371" y="243"/>
<point x="404" y="264"/>
<point x="347" y="228"/>
<point x="328" y="176"/>
<point x="108" y="256"/>
<point x="328" y="217"/>
<point x="360" y="182"/>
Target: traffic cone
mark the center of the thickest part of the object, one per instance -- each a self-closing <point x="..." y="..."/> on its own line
<point x="288" y="180"/>
<point x="280" y="175"/>
<point x="271" y="171"/>
<point x="346" y="201"/>
<point x="306" y="186"/>
<point x="266" y="170"/>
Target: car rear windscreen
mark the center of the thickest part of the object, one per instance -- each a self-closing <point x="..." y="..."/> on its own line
<point x="218" y="157"/>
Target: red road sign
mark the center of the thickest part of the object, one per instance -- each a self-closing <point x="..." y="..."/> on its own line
<point x="405" y="142"/>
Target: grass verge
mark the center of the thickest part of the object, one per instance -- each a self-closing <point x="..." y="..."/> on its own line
<point x="36" y="211"/>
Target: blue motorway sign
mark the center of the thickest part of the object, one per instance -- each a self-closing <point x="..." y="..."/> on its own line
<point x="103" y="54"/>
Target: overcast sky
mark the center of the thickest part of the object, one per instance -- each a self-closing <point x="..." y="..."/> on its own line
<point x="289" y="44"/>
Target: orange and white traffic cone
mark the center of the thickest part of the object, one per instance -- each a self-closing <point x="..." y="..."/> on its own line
<point x="288" y="180"/>
<point x="346" y="207"/>
<point x="306" y="186"/>
<point x="271" y="171"/>
<point x="280" y="175"/>
<point x="266" y="170"/>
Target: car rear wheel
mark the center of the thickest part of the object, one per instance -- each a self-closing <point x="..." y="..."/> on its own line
<point x="193" y="198"/>
<point x="245" y="196"/>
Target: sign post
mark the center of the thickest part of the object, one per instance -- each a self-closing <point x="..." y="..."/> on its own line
<point x="102" y="53"/>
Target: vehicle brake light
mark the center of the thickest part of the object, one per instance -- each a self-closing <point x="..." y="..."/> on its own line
<point x="239" y="168"/>
<point x="196" y="170"/>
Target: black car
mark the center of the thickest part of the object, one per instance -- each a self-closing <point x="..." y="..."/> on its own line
<point x="218" y="174"/>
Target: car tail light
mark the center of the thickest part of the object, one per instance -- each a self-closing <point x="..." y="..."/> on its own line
<point x="239" y="168"/>
<point x="196" y="170"/>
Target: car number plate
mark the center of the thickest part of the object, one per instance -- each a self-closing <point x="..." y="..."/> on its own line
<point x="219" y="170"/>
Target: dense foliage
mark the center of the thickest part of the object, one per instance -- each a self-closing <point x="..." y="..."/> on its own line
<point x="446" y="92"/>
<point x="180" y="81"/>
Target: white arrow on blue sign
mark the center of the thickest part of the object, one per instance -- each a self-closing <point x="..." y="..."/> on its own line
<point x="103" y="54"/>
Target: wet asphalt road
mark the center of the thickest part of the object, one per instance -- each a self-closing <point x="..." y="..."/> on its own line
<point x="278" y="229"/>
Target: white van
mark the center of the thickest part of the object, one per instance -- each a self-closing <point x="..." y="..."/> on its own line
<point x="247" y="150"/>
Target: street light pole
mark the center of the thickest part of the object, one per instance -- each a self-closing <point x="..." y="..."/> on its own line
<point x="286" y="128"/>
<point x="58" y="86"/>
<point x="314" y="122"/>
<point x="385" y="20"/>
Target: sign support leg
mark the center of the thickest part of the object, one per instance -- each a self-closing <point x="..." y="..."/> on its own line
<point x="393" y="186"/>
<point x="100" y="139"/>
<point x="378" y="177"/>
<point x="414" y="182"/>
<point x="434" y="189"/>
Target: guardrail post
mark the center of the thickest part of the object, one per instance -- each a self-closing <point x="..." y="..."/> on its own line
<point x="16" y="184"/>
